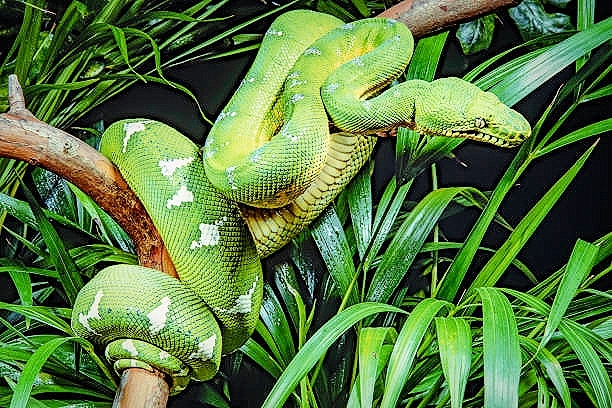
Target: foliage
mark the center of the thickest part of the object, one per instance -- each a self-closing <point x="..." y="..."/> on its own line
<point x="344" y="322"/>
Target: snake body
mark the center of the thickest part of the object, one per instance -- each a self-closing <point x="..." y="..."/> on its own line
<point x="268" y="168"/>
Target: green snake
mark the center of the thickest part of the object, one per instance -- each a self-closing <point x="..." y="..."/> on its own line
<point x="270" y="165"/>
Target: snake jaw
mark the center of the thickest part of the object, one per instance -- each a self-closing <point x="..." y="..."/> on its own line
<point x="471" y="114"/>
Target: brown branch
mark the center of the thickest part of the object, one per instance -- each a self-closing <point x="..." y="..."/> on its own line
<point x="25" y="138"/>
<point x="141" y="388"/>
<point x="424" y="17"/>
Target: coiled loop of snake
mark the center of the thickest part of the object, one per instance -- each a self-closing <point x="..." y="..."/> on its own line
<point x="270" y="148"/>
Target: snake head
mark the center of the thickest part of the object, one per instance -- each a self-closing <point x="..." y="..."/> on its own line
<point x="456" y="108"/>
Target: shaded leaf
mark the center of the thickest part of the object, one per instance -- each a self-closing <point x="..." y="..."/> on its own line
<point x="317" y="346"/>
<point x="532" y="20"/>
<point x="501" y="350"/>
<point x="406" y="346"/>
<point x="476" y="35"/>
<point x="455" y="342"/>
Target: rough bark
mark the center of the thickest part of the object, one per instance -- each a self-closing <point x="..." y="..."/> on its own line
<point x="23" y="137"/>
<point x="428" y="16"/>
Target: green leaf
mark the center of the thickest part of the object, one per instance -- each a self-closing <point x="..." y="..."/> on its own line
<point x="500" y="261"/>
<point x="551" y="366"/>
<point x="476" y="35"/>
<point x="426" y="57"/>
<point x="329" y="236"/>
<point x="501" y="349"/>
<point x="532" y="20"/>
<point x="521" y="82"/>
<point x="260" y="356"/>
<point x="33" y="367"/>
<point x="274" y="318"/>
<point x="599" y="377"/>
<point x="359" y="193"/>
<point x="407" y="242"/>
<point x="590" y="130"/>
<point x="408" y="341"/>
<point x="27" y="39"/>
<point x="579" y="265"/>
<point x="455" y="342"/>
<point x="317" y="346"/>
<point x="371" y="342"/>
<point x="43" y="314"/>
<point x="69" y="275"/>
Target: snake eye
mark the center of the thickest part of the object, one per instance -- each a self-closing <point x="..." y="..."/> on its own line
<point x="480" y="123"/>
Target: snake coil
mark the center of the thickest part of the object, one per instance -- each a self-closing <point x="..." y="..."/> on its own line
<point x="268" y="168"/>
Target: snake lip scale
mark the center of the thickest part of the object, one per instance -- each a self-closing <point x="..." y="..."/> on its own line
<point x="291" y="138"/>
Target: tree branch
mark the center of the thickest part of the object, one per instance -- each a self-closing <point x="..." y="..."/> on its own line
<point x="25" y="138"/>
<point x="424" y="17"/>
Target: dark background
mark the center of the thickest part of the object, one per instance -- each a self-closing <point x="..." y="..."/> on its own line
<point x="582" y="212"/>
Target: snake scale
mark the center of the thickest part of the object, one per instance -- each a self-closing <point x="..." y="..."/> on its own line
<point x="268" y="168"/>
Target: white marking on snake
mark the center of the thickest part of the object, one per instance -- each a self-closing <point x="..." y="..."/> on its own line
<point x="181" y="196"/>
<point x="168" y="167"/>
<point x="296" y="82"/>
<point x="130" y="128"/>
<point x="229" y="173"/>
<point x="357" y="61"/>
<point x="293" y="75"/>
<point x="128" y="346"/>
<point x="272" y="31"/>
<point x="92" y="313"/>
<point x="209" y="236"/>
<point x="256" y="155"/>
<point x="243" y="302"/>
<point x="297" y="97"/>
<point x="206" y="349"/>
<point x="348" y="26"/>
<point x="312" y="51"/>
<point x="158" y="316"/>
<point x="163" y="355"/>
<point x="332" y="87"/>
<point x="221" y="116"/>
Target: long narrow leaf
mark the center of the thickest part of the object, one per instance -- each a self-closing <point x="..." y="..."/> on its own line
<point x="408" y="342"/>
<point x="359" y="193"/>
<point x="520" y="83"/>
<point x="317" y="346"/>
<point x="329" y="236"/>
<point x="455" y="342"/>
<point x="70" y="278"/>
<point x="24" y="386"/>
<point x="599" y="377"/>
<point x="407" y="242"/>
<point x="551" y="366"/>
<point x="579" y="265"/>
<point x="501" y="349"/>
<point x="371" y="341"/>
<point x="500" y="261"/>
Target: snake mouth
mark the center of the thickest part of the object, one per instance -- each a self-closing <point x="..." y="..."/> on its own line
<point x="488" y="138"/>
<point x="479" y="135"/>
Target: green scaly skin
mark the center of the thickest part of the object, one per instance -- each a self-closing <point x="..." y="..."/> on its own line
<point x="270" y="148"/>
